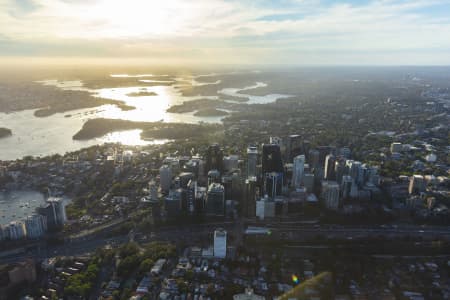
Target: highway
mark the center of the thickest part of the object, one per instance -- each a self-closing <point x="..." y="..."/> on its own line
<point x="199" y="234"/>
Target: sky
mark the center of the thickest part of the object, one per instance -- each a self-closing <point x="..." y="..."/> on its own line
<point x="293" y="32"/>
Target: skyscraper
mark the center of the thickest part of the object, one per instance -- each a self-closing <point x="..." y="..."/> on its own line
<point x="339" y="169"/>
<point x="330" y="194"/>
<point x="249" y="199"/>
<point x="173" y="203"/>
<point x="417" y="184"/>
<point x="36" y="226"/>
<point x="308" y="182"/>
<point x="298" y="171"/>
<point x="55" y="212"/>
<point x="252" y="160"/>
<point x="346" y="186"/>
<point x="191" y="193"/>
<point x="265" y="208"/>
<point x="313" y="158"/>
<point x="230" y="163"/>
<point x="294" y="146"/>
<point x="329" y="173"/>
<point x="215" y="200"/>
<point x="271" y="159"/>
<point x="165" y="174"/>
<point x="15" y="230"/>
<point x="272" y="169"/>
<point x="214" y="158"/>
<point x="273" y="184"/>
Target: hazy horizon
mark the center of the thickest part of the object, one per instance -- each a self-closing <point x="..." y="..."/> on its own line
<point x="200" y="32"/>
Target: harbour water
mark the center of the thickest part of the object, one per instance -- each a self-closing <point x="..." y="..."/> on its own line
<point x="35" y="136"/>
<point x="17" y="205"/>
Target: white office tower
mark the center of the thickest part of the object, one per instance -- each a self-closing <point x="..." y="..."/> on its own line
<point x="220" y="243"/>
<point x="252" y="161"/>
<point x="165" y="178"/>
<point x="16" y="230"/>
<point x="36" y="226"/>
<point x="298" y="171"/>
<point x="330" y="194"/>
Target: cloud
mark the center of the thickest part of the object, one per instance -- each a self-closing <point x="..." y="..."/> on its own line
<point x="275" y="30"/>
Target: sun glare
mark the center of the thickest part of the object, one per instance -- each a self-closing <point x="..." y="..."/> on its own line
<point x="135" y="18"/>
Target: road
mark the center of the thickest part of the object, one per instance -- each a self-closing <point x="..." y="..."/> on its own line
<point x="198" y="234"/>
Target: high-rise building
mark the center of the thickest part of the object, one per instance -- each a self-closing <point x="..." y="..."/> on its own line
<point x="294" y="146"/>
<point x="249" y="203"/>
<point x="346" y="186"/>
<point x="252" y="160"/>
<point x="184" y="178"/>
<point x="191" y="193"/>
<point x="213" y="177"/>
<point x="214" y="158"/>
<point x="215" y="200"/>
<point x="36" y="226"/>
<point x="330" y="161"/>
<point x="220" y="243"/>
<point x="192" y="166"/>
<point x="232" y="184"/>
<point x="417" y="184"/>
<point x="273" y="184"/>
<point x="55" y="212"/>
<point x="272" y="170"/>
<point x="330" y="194"/>
<point x="173" y="203"/>
<point x="153" y="190"/>
<point x="354" y="191"/>
<point x="308" y="182"/>
<point x="373" y="176"/>
<point x="16" y="230"/>
<point x="339" y="169"/>
<point x="165" y="174"/>
<point x="230" y="162"/>
<point x="271" y="159"/>
<point x="355" y="171"/>
<point x="298" y="170"/>
<point x="323" y="152"/>
<point x="265" y="208"/>
<point x="313" y="158"/>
